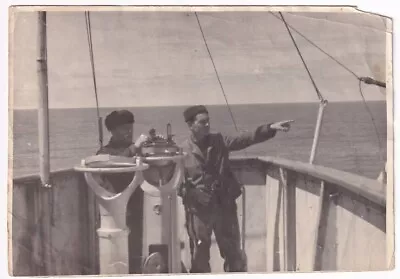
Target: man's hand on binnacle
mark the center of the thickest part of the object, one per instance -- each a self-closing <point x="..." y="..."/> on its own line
<point x="138" y="144"/>
<point x="281" y="125"/>
<point x="140" y="140"/>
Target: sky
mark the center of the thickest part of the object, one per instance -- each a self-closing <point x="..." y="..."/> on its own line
<point x="160" y="58"/>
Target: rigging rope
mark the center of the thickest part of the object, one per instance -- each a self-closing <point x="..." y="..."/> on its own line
<point x="367" y="80"/>
<point x="216" y="72"/>
<point x="90" y="43"/>
<point x="372" y="119"/>
<point x="320" y="49"/>
<point x="360" y="79"/>
<point x="323" y="102"/>
<point x="243" y="236"/>
<point x="320" y="97"/>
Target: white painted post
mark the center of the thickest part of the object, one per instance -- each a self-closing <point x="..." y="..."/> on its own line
<point x="169" y="230"/>
<point x="113" y="245"/>
<point x="166" y="226"/>
<point x="322" y="105"/>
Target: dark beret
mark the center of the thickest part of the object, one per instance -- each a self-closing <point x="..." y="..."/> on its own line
<point x="192" y="111"/>
<point x="117" y="118"/>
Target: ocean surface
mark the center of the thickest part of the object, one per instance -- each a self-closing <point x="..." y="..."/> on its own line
<point x="348" y="139"/>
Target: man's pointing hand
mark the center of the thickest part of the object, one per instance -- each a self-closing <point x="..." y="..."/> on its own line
<point x="282" y="125"/>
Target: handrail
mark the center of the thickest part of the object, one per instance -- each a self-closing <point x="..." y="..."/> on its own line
<point x="33" y="178"/>
<point x="370" y="189"/>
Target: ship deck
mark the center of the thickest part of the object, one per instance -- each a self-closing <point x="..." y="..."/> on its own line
<point x="297" y="217"/>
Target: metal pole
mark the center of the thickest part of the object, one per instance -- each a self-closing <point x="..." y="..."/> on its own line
<point x="244" y="255"/>
<point x="43" y="106"/>
<point x="243" y="218"/>
<point x="322" y="105"/>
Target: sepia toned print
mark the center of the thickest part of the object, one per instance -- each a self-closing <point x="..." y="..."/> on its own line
<point x="200" y="140"/>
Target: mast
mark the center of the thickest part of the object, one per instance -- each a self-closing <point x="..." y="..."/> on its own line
<point x="43" y="105"/>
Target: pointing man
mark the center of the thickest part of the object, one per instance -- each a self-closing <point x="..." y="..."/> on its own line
<point x="210" y="189"/>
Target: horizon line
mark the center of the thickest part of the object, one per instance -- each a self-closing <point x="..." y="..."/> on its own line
<point x="235" y="104"/>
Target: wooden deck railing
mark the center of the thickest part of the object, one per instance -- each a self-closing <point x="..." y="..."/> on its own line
<point x="316" y="218"/>
<point x="298" y="217"/>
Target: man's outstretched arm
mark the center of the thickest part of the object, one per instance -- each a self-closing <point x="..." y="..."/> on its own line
<point x="261" y="134"/>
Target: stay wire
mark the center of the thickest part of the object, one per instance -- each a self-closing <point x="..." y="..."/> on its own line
<point x="346" y="68"/>
<point x="316" y="46"/>
<point x="90" y="44"/>
<point x="372" y="119"/>
<point x="216" y="72"/>
<point x="243" y="238"/>
<point x="320" y="97"/>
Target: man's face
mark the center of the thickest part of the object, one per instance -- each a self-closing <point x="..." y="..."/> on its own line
<point x="201" y="125"/>
<point x="124" y="133"/>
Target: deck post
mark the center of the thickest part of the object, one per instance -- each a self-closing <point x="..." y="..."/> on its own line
<point x="287" y="180"/>
<point x="317" y="131"/>
<point x="323" y="207"/>
<point x="46" y="192"/>
<point x="43" y="105"/>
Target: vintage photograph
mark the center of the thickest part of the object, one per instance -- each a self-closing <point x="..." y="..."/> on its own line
<point x="151" y="140"/>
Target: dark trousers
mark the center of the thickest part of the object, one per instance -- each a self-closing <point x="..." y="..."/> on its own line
<point x="223" y="221"/>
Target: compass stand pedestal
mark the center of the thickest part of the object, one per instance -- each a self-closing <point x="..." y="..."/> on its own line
<point x="113" y="232"/>
<point x="161" y="220"/>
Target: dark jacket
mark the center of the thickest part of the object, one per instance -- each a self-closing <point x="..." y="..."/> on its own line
<point x="207" y="163"/>
<point x="119" y="181"/>
<point x="117" y="148"/>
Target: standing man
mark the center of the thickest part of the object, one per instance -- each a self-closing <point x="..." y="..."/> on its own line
<point x="210" y="189"/>
<point x="120" y="124"/>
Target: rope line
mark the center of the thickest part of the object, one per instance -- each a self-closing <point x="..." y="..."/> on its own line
<point x="360" y="79"/>
<point x="90" y="44"/>
<point x="243" y="240"/>
<point x="320" y="97"/>
<point x="372" y="119"/>
<point x="216" y="72"/>
<point x="320" y="49"/>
